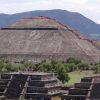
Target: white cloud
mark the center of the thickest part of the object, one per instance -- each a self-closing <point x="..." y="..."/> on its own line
<point x="89" y="8"/>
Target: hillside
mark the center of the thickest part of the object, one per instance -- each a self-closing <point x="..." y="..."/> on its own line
<point x="41" y="38"/>
<point x="75" y="20"/>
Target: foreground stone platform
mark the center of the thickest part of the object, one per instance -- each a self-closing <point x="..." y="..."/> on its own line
<point x="19" y="85"/>
<point x="45" y="86"/>
<point x="87" y="89"/>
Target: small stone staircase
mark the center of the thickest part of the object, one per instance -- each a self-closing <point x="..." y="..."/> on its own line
<point x="79" y="91"/>
<point x="95" y="93"/>
<point x="16" y="86"/>
<point x="4" y="82"/>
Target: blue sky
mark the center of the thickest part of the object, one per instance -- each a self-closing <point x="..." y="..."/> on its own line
<point x="89" y="8"/>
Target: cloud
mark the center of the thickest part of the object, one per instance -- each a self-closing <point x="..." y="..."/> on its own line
<point x="89" y="8"/>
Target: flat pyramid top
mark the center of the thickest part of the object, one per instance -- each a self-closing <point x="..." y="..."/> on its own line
<point x="38" y="22"/>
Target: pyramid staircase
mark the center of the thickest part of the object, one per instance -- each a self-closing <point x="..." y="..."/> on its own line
<point x="4" y="83"/>
<point x="11" y="85"/>
<point x="15" y="88"/>
<point x="95" y="93"/>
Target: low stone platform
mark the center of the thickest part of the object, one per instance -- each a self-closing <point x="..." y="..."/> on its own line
<point x="29" y="85"/>
<point x="87" y="89"/>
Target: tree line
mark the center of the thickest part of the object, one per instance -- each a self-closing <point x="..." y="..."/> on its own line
<point x="60" y="68"/>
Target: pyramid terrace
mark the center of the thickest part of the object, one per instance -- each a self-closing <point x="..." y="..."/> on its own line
<point x="17" y="85"/>
<point x="87" y="89"/>
<point x="45" y="86"/>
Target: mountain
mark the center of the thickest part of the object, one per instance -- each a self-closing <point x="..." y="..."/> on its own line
<point x="39" y="38"/>
<point x="77" y="21"/>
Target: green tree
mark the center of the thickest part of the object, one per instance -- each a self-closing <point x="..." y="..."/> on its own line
<point x="27" y="63"/>
<point x="97" y="69"/>
<point x="8" y="66"/>
<point x="45" y="67"/>
<point x="70" y="67"/>
<point x="62" y="74"/>
<point x="54" y="65"/>
<point x="1" y="65"/>
<point x="73" y="60"/>
<point x="21" y="67"/>
<point x="83" y="66"/>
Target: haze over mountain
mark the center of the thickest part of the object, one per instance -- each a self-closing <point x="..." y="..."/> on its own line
<point x="80" y="23"/>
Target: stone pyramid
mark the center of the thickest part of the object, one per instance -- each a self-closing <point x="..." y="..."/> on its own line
<point x="41" y="38"/>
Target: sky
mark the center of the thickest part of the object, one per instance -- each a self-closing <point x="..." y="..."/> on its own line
<point x="88" y="8"/>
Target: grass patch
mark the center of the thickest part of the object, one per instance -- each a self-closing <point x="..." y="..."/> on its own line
<point x="57" y="98"/>
<point x="77" y="75"/>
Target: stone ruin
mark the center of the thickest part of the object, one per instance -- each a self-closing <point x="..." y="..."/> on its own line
<point x="87" y="89"/>
<point x="45" y="86"/>
<point x="29" y="86"/>
<point x="40" y="38"/>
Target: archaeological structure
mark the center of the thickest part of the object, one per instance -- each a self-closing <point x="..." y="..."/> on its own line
<point x="40" y="38"/>
<point x="45" y="86"/>
<point x="29" y="86"/>
<point x="87" y="89"/>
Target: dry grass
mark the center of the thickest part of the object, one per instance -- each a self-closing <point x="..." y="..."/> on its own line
<point x="77" y="75"/>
